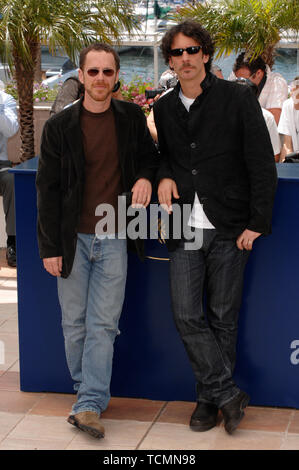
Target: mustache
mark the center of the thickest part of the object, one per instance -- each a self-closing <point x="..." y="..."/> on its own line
<point x="185" y="65"/>
<point x="99" y="82"/>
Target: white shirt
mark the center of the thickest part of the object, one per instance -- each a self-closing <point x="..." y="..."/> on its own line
<point x="8" y="121"/>
<point x="197" y="217"/>
<point x="274" y="92"/>
<point x="289" y="122"/>
<point x="273" y="131"/>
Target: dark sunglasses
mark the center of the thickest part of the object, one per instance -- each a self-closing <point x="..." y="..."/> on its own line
<point x="94" y="72"/>
<point x="190" y="50"/>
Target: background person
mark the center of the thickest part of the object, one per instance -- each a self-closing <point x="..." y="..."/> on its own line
<point x="289" y="121"/>
<point x="273" y="88"/>
<point x="9" y="126"/>
<point x="71" y="90"/>
<point x="269" y="119"/>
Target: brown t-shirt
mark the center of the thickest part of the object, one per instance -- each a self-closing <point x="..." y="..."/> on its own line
<point x="102" y="170"/>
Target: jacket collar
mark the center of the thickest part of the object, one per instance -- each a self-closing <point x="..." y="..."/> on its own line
<point x="207" y="82"/>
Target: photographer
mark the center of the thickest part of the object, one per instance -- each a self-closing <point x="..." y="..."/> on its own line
<point x="9" y="125"/>
<point x="289" y="122"/>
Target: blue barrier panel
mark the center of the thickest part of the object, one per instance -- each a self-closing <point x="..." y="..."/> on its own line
<point x="150" y="360"/>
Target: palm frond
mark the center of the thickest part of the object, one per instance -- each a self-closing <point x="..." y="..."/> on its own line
<point x="251" y="25"/>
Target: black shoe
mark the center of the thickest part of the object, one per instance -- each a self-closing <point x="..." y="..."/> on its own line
<point x="11" y="256"/>
<point x="233" y="411"/>
<point x="204" y="417"/>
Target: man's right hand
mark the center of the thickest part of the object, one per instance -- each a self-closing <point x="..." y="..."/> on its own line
<point x="53" y="265"/>
<point x="166" y="190"/>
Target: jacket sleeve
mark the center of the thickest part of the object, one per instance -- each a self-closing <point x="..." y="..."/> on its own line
<point x="164" y="168"/>
<point x="68" y="93"/>
<point x="260" y="163"/>
<point x="49" y="194"/>
<point x="147" y="152"/>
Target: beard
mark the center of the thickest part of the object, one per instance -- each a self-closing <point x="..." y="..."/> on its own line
<point x="99" y="91"/>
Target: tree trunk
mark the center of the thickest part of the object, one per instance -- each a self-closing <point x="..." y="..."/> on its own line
<point x="38" y="68"/>
<point x="24" y="78"/>
<point x="269" y="55"/>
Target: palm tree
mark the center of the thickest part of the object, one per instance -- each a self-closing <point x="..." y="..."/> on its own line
<point x="68" y="24"/>
<point x="255" y="26"/>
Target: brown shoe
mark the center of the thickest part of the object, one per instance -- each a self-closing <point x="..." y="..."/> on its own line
<point x="89" y="422"/>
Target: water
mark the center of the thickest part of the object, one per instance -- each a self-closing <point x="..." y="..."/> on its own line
<point x="132" y="63"/>
<point x="140" y="61"/>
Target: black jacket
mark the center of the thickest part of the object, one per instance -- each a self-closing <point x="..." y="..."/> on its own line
<point x="222" y="150"/>
<point x="60" y="176"/>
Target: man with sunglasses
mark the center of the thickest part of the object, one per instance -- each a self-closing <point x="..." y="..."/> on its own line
<point x="216" y="156"/>
<point x="91" y="153"/>
<point x="272" y="87"/>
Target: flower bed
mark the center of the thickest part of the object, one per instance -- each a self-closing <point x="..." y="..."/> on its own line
<point x="41" y="93"/>
<point x="133" y="91"/>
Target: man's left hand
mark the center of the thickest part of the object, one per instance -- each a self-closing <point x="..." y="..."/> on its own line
<point x="142" y="193"/>
<point x="246" y="239"/>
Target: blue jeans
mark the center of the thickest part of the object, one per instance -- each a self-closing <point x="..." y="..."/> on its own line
<point x="91" y="301"/>
<point x="210" y="277"/>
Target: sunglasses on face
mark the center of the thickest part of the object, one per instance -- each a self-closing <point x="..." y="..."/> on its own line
<point x="190" y="50"/>
<point x="94" y="72"/>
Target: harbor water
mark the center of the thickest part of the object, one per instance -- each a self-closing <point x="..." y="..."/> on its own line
<point x="139" y="61"/>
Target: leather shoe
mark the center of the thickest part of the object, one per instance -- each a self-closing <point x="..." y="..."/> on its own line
<point x="204" y="417"/>
<point x="233" y="411"/>
<point x="89" y="422"/>
<point x="11" y="256"/>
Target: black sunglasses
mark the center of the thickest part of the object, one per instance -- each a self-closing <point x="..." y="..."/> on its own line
<point x="190" y="50"/>
<point x="94" y="72"/>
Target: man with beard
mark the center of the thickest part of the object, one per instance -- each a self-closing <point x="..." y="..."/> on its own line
<point x="91" y="153"/>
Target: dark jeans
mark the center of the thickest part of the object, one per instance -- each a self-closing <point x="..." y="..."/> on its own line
<point x="210" y="276"/>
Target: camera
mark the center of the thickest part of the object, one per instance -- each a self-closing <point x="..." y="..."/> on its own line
<point x="171" y="82"/>
<point x="153" y="93"/>
<point x="292" y="157"/>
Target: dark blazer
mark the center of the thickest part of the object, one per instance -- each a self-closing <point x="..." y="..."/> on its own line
<point x="60" y="176"/>
<point x="222" y="150"/>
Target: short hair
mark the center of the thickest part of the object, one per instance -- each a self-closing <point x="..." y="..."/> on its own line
<point x="98" y="46"/>
<point x="252" y="64"/>
<point x="193" y="30"/>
